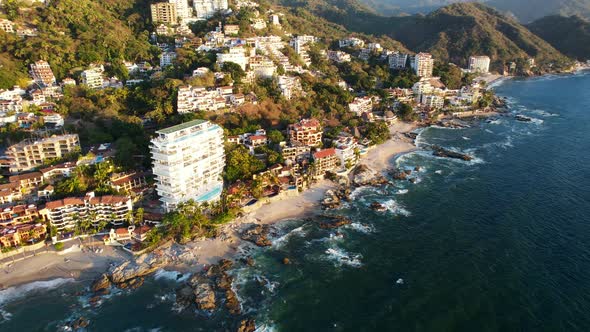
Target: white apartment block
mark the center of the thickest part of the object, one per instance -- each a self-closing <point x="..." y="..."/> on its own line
<point x="479" y="64"/>
<point x="398" y="60"/>
<point x="289" y="86"/>
<point x="423" y="64"/>
<point x="236" y="55"/>
<point x="29" y="154"/>
<point x="182" y="8"/>
<point x="42" y="74"/>
<point x="361" y="105"/>
<point x="351" y="42"/>
<point x="167" y="59"/>
<point x="204" y="9"/>
<point x="192" y="99"/>
<point x="262" y="66"/>
<point x="433" y="101"/>
<point x="258" y="24"/>
<point x="301" y="46"/>
<point x="164" y="12"/>
<point x="188" y="160"/>
<point x="346" y="151"/>
<point x="65" y="213"/>
<point x="274" y="19"/>
<point x="92" y="78"/>
<point x="6" y="25"/>
<point x="339" y="56"/>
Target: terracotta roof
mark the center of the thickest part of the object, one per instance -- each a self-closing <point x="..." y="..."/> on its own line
<point x="63" y="202"/>
<point x="324" y="153"/>
<point x="121" y="231"/>
<point x="109" y="199"/>
<point x="142" y="229"/>
<point x="257" y="137"/>
<point x="25" y="176"/>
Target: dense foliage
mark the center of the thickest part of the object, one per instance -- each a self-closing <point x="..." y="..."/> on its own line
<point x="570" y="35"/>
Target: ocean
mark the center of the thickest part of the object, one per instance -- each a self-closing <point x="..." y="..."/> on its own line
<point x="498" y="243"/>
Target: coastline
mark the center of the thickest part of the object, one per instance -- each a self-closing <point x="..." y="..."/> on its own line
<point x="196" y="255"/>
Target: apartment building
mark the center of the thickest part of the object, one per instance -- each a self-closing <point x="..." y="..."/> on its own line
<point x="29" y="154"/>
<point x="42" y="74"/>
<point x="6" y="25"/>
<point x="423" y="64"/>
<point x="339" y="56"/>
<point x="325" y="161"/>
<point x="236" y="55"/>
<point x="20" y="235"/>
<point x="182" y="8"/>
<point x="167" y="58"/>
<point x="188" y="160"/>
<point x="191" y="99"/>
<point x="347" y="151"/>
<point x="18" y="214"/>
<point x="65" y="213"/>
<point x="27" y="182"/>
<point x="301" y="46"/>
<point x="361" y="105"/>
<point x="479" y="64"/>
<point x="307" y="132"/>
<point x="164" y="12"/>
<point x="92" y="78"/>
<point x="351" y="42"/>
<point x="289" y="86"/>
<point x="398" y="60"/>
<point x="204" y="9"/>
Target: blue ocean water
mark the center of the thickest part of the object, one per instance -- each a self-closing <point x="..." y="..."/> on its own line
<point x="499" y="243"/>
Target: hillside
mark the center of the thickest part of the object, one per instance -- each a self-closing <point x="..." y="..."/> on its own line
<point x="74" y="33"/>
<point x="570" y="35"/>
<point x="452" y="33"/>
<point x="524" y="10"/>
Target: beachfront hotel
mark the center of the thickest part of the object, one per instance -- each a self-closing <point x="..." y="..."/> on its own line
<point x="188" y="161"/>
<point x="65" y="213"/>
<point x="479" y="64"/>
<point x="29" y="154"/>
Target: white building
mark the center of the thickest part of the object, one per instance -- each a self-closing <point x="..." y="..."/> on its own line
<point x="236" y="55"/>
<point x="188" y="162"/>
<point x="479" y="64"/>
<point x="274" y="19"/>
<point x="92" y="77"/>
<point x="361" y="105"/>
<point x="423" y="64"/>
<point x="42" y="73"/>
<point x="258" y="24"/>
<point x="204" y="9"/>
<point x="339" y="56"/>
<point x="167" y="58"/>
<point x="398" y="60"/>
<point x="289" y="86"/>
<point x="182" y="8"/>
<point x="6" y="25"/>
<point x="351" y="42"/>
<point x="301" y="46"/>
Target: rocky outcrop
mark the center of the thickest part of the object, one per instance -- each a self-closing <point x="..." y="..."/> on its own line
<point x="204" y="296"/>
<point x="397" y="174"/>
<point x="257" y="234"/>
<point x="144" y="265"/>
<point x="334" y="222"/>
<point x="452" y="124"/>
<point x="286" y="261"/>
<point x="365" y="176"/>
<point x="444" y="153"/>
<point x="378" y="207"/>
<point x="331" y="200"/>
<point x="185" y="296"/>
<point x="101" y="284"/>
<point x="247" y="325"/>
<point x="79" y="323"/>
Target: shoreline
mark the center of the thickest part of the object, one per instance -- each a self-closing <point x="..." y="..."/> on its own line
<point x="196" y="255"/>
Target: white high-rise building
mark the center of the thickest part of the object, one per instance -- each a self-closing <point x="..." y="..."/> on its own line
<point x="423" y="64"/>
<point x="188" y="160"/>
<point x="42" y="73"/>
<point x="204" y="9"/>
<point x="236" y="55"/>
<point x="398" y="60"/>
<point x="479" y="64"/>
<point x="182" y="8"/>
<point x="92" y="78"/>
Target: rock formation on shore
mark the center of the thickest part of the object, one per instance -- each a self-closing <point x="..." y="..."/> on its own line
<point x="365" y="176"/>
<point x="257" y="234"/>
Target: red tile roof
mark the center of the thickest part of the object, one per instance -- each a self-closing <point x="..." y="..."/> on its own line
<point x="324" y="153"/>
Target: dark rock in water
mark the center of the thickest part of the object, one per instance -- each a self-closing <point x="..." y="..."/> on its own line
<point x="204" y="297"/>
<point x="444" y="153"/>
<point x="411" y="135"/>
<point x="185" y="296"/>
<point x="378" y="207"/>
<point x="248" y="261"/>
<point x="286" y="261"/>
<point x="224" y="281"/>
<point x="257" y="234"/>
<point x="335" y="222"/>
<point x="398" y="175"/>
<point x="247" y="325"/>
<point x="331" y="200"/>
<point x="417" y="169"/>
<point x="523" y="118"/>
<point x="94" y="300"/>
<point x="413" y="180"/>
<point x="80" y="323"/>
<point x="231" y="302"/>
<point x="101" y="284"/>
<point x="103" y="292"/>
<point x="365" y="176"/>
<point x="408" y="172"/>
<point x="143" y="265"/>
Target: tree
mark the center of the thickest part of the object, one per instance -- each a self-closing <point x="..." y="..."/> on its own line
<point x="236" y="72"/>
<point x="240" y="165"/>
<point x="275" y="136"/>
<point x="138" y="219"/>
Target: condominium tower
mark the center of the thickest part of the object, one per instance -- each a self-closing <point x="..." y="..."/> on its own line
<point x="423" y="64"/>
<point x="188" y="161"/>
<point x="29" y="154"/>
<point x="42" y="73"/>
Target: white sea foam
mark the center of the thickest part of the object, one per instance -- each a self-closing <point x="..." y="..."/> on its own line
<point x="438" y="171"/>
<point x="171" y="275"/>
<point x="266" y="327"/>
<point x="282" y="240"/>
<point x="395" y="208"/>
<point x="14" y="293"/>
<point x="341" y="257"/>
<point x="402" y="191"/>
<point x="466" y="138"/>
<point x="361" y="228"/>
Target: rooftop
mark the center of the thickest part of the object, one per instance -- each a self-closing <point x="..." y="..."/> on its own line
<point x="180" y="127"/>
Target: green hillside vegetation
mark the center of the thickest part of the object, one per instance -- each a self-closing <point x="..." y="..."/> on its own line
<point x="570" y="35"/>
<point x="527" y="10"/>
<point x="452" y="33"/>
<point x="75" y="33"/>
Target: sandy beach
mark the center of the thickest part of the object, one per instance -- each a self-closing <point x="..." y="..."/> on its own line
<point x="86" y="266"/>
